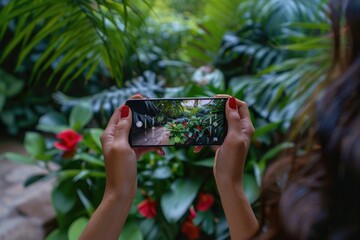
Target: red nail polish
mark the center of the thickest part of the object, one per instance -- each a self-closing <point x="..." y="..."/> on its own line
<point x="197" y="149"/>
<point x="161" y="152"/>
<point x="124" y="111"/>
<point x="232" y="103"/>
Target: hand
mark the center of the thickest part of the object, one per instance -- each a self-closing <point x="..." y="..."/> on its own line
<point x="230" y="157"/>
<point x="120" y="158"/>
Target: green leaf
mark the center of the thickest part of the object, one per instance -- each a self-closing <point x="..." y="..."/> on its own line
<point x="95" y="134"/>
<point x="273" y="152"/>
<point x="34" y="143"/>
<point x="131" y="231"/>
<point x="175" y="203"/>
<point x="261" y="131"/>
<point x="33" y="179"/>
<point x="77" y="228"/>
<point x="251" y="189"/>
<point x="2" y="102"/>
<point x="162" y="172"/>
<point x="89" y="159"/>
<point x="57" y="234"/>
<point x="209" y="162"/>
<point x="64" y="197"/>
<point x="86" y="202"/>
<point x="80" y="115"/>
<point x="208" y="223"/>
<point x="53" y="122"/>
<point x="18" y="158"/>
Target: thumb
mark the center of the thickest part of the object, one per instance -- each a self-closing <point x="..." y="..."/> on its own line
<point x="233" y="116"/>
<point x="123" y="126"/>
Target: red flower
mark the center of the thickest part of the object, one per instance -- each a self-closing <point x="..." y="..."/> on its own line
<point x="68" y="141"/>
<point x="185" y="123"/>
<point x="206" y="200"/>
<point x="192" y="214"/>
<point x="147" y="208"/>
<point x="190" y="230"/>
<point x="198" y="127"/>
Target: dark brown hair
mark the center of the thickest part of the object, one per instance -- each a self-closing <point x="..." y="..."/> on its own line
<point x="320" y="198"/>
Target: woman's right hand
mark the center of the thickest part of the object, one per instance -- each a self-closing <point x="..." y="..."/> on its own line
<point x="231" y="155"/>
<point x="229" y="165"/>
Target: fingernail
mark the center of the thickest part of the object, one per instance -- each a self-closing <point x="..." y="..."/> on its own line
<point x="161" y="152"/>
<point x="124" y="112"/>
<point x="197" y="149"/>
<point x="232" y="103"/>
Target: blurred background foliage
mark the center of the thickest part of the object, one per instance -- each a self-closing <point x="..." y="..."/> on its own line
<point x="57" y="57"/>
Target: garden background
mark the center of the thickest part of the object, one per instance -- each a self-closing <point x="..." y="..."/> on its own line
<point x="66" y="65"/>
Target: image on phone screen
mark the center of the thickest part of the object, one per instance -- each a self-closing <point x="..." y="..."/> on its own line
<point x="182" y="122"/>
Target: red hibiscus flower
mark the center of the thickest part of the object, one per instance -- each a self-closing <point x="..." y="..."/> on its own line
<point x="198" y="127"/>
<point x="185" y="123"/>
<point x="147" y="208"/>
<point x="206" y="200"/>
<point x="68" y="141"/>
<point x="190" y="230"/>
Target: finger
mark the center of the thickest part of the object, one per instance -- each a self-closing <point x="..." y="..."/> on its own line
<point x="243" y="109"/>
<point x="142" y="150"/>
<point x="137" y="96"/>
<point x="160" y="151"/>
<point x="222" y="96"/>
<point x="123" y="126"/>
<point x="197" y="149"/>
<point x="215" y="147"/>
<point x="232" y="116"/>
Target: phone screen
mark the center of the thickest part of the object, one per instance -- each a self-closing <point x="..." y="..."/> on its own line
<point x="180" y="121"/>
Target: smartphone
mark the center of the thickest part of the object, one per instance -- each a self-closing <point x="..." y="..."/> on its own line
<point x="177" y="121"/>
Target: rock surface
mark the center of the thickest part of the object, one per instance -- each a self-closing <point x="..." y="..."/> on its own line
<point x="25" y="213"/>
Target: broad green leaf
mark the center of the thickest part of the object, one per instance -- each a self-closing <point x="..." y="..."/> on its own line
<point x="53" y="122"/>
<point x="175" y="203"/>
<point x="18" y="158"/>
<point x="77" y="228"/>
<point x="51" y="129"/>
<point x="131" y="231"/>
<point x="57" y="234"/>
<point x="208" y="223"/>
<point x="80" y="116"/>
<point x="64" y="197"/>
<point x="34" y="143"/>
<point x="251" y="189"/>
<point x="261" y="131"/>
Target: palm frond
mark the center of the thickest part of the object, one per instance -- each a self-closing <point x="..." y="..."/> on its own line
<point x="105" y="102"/>
<point x="79" y="34"/>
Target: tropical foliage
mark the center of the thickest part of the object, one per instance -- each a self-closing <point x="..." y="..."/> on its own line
<point x="270" y="53"/>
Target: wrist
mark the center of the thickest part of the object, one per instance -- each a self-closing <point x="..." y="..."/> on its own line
<point x="227" y="184"/>
<point x="124" y="193"/>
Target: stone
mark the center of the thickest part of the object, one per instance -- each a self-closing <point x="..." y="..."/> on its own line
<point x="21" y="173"/>
<point x="39" y="207"/>
<point x="19" y="228"/>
